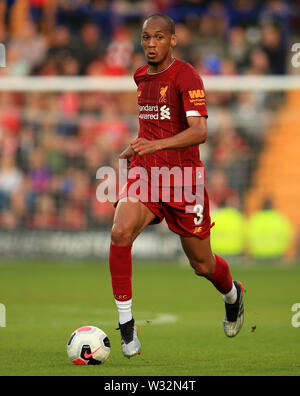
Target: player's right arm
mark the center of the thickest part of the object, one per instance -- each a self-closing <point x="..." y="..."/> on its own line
<point x="195" y="134"/>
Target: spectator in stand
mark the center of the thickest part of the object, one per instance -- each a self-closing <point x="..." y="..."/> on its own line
<point x="60" y="43"/>
<point x="231" y="148"/>
<point x="228" y="67"/>
<point x="259" y="62"/>
<point x="72" y="218"/>
<point x="9" y="220"/>
<point x="39" y="172"/>
<point x="89" y="47"/>
<point x="251" y="117"/>
<point x="69" y="66"/>
<point x="231" y="153"/>
<point x="183" y="49"/>
<point x="274" y="48"/>
<point x="117" y="58"/>
<point x="73" y="153"/>
<point x="94" y="157"/>
<point x="111" y="132"/>
<point x="45" y="216"/>
<point x="281" y="13"/>
<point x="101" y="212"/>
<point x="26" y="147"/>
<point x="37" y="10"/>
<point x="32" y="110"/>
<point x="10" y="122"/>
<point x="238" y="47"/>
<point x="138" y="60"/>
<point x="31" y="45"/>
<point x="79" y="194"/>
<point x="16" y="65"/>
<point x="244" y="12"/>
<point x="11" y="179"/>
<point x="209" y="42"/>
<point x="20" y="204"/>
<point x="220" y="193"/>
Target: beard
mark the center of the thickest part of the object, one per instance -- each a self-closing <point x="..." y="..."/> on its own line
<point x="151" y="63"/>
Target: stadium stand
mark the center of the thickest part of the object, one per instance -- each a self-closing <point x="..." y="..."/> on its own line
<point x="52" y="143"/>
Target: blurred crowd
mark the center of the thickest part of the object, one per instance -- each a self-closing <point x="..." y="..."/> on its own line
<point x="51" y="144"/>
<point x="101" y="37"/>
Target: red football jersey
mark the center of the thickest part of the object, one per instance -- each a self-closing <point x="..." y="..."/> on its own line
<point x="165" y="100"/>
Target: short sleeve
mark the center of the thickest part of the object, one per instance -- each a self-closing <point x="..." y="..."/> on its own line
<point x="192" y="90"/>
<point x="139" y="74"/>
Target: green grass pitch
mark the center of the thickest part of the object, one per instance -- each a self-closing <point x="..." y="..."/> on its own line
<point x="178" y="314"/>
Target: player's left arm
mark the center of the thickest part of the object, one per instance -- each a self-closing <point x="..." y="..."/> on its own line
<point x="195" y="134"/>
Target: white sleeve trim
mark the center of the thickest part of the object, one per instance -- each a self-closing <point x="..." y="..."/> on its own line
<point x="193" y="113"/>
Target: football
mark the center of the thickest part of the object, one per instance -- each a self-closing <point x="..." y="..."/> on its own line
<point x="88" y="345"/>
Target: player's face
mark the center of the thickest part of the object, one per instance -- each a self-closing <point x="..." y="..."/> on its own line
<point x="157" y="42"/>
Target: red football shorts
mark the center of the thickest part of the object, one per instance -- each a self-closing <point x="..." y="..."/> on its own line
<point x="185" y="217"/>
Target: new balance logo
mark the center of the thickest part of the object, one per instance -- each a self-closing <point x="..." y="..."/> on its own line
<point x="165" y="113"/>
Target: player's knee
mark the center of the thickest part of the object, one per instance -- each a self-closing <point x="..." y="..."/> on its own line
<point x="122" y="235"/>
<point x="202" y="267"/>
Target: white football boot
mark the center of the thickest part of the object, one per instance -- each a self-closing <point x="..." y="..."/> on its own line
<point x="234" y="313"/>
<point x="130" y="343"/>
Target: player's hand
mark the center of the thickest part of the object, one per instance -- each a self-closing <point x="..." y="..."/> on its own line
<point x="127" y="153"/>
<point x="143" y="146"/>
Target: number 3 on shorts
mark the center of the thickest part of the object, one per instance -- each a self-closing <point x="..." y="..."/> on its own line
<point x="198" y="209"/>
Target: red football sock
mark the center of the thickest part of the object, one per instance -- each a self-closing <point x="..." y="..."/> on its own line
<point x="120" y="265"/>
<point x="221" y="278"/>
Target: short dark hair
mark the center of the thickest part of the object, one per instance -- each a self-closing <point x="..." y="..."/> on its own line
<point x="169" y="20"/>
